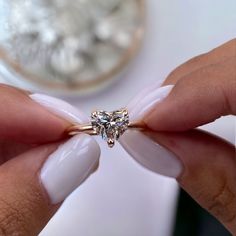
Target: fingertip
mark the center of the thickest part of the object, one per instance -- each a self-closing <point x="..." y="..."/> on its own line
<point x="69" y="166"/>
<point x="59" y="108"/>
<point x="25" y="121"/>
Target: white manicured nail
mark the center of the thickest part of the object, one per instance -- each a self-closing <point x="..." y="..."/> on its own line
<point x="148" y="99"/>
<point x="69" y="166"/>
<point x="73" y="161"/>
<point x="60" y="108"/>
<point x="150" y="154"/>
<point x="143" y="93"/>
<point x="142" y="148"/>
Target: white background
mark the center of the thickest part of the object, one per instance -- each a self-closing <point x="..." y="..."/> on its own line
<point x="122" y="198"/>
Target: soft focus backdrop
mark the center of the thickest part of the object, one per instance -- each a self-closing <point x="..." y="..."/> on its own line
<point x="122" y="198"/>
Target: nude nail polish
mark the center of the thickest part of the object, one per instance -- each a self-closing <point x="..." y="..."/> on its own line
<point x="60" y="108"/>
<point x="147" y="101"/>
<point x="69" y="166"/>
<point x="73" y="161"/>
<point x="150" y="154"/>
<point x="142" y="148"/>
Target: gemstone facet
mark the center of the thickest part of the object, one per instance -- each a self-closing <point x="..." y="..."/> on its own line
<point x="110" y="125"/>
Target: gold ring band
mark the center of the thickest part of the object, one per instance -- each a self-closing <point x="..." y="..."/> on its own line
<point x="109" y="125"/>
<point x="88" y="128"/>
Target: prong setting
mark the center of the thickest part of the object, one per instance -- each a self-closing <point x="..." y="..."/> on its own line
<point x="110" y="125"/>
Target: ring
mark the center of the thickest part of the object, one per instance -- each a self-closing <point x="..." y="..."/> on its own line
<point x="110" y="125"/>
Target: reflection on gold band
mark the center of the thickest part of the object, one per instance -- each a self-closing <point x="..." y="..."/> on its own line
<point x="88" y="128"/>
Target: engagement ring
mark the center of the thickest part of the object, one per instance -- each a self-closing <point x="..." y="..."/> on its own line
<point x="109" y="125"/>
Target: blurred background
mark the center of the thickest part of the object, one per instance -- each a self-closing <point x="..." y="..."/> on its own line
<point x="98" y="55"/>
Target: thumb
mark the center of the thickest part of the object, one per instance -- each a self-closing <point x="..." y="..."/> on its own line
<point x="203" y="164"/>
<point x="33" y="185"/>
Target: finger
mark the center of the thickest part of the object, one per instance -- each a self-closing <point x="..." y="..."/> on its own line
<point x="10" y="149"/>
<point x="198" y="98"/>
<point x="217" y="55"/>
<point x="209" y="173"/>
<point x="24" y="120"/>
<point x="33" y="185"/>
<point x="204" y="165"/>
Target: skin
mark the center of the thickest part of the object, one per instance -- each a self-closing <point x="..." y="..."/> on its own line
<point x="29" y="134"/>
<point x="205" y="90"/>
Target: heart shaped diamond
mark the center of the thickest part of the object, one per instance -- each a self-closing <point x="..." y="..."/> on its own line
<point x="110" y="125"/>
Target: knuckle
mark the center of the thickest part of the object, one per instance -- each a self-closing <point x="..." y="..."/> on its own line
<point x="222" y="204"/>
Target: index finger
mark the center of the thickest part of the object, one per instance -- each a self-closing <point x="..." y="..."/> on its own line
<point x="24" y="120"/>
<point x="199" y="97"/>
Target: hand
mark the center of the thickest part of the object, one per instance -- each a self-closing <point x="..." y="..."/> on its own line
<point x="36" y="175"/>
<point x="204" y="165"/>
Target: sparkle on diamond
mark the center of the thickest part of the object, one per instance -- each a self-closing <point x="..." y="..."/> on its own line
<point x="110" y="125"/>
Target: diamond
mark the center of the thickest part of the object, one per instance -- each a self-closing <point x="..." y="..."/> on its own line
<point x="110" y="125"/>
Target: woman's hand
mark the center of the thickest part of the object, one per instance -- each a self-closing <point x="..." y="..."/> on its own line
<point x="37" y="171"/>
<point x="36" y="175"/>
<point x="203" y="164"/>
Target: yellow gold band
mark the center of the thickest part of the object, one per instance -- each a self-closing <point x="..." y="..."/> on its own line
<point x="88" y="128"/>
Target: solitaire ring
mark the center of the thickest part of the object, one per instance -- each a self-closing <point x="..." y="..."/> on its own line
<point x="109" y="125"/>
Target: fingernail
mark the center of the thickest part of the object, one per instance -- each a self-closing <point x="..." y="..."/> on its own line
<point x="74" y="160"/>
<point x="143" y="93"/>
<point x="138" y="109"/>
<point x="60" y="108"/>
<point x="69" y="166"/>
<point x="150" y="154"/>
